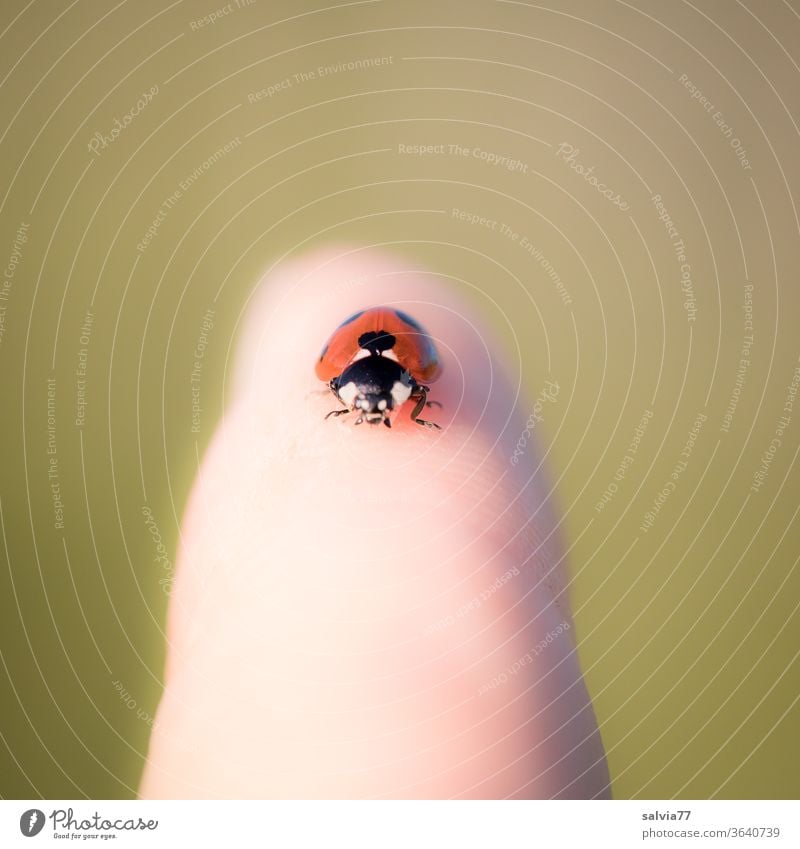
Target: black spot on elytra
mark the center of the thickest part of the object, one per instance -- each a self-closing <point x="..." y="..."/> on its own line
<point x="378" y="342"/>
<point x="404" y="316"/>
<point x="351" y="319"/>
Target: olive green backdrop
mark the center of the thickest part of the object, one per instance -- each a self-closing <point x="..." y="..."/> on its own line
<point x="273" y="127"/>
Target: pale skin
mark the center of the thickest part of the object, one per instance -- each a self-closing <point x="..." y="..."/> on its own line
<point x="350" y="601"/>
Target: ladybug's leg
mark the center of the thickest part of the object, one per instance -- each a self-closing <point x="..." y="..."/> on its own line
<point x="434" y="404"/>
<point x="333" y="386"/>
<point x="420" y="395"/>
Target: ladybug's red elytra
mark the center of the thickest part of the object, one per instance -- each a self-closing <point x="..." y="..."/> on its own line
<point x="377" y="360"/>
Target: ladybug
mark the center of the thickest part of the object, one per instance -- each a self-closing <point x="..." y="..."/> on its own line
<point x="377" y="360"/>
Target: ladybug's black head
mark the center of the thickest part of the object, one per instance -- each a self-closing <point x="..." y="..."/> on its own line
<point x="373" y="386"/>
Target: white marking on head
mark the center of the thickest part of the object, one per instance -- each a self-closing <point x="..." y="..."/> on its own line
<point x="382" y="404"/>
<point x="401" y="392"/>
<point x="348" y="393"/>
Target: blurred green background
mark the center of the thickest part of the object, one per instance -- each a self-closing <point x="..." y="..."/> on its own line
<point x="687" y="624"/>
